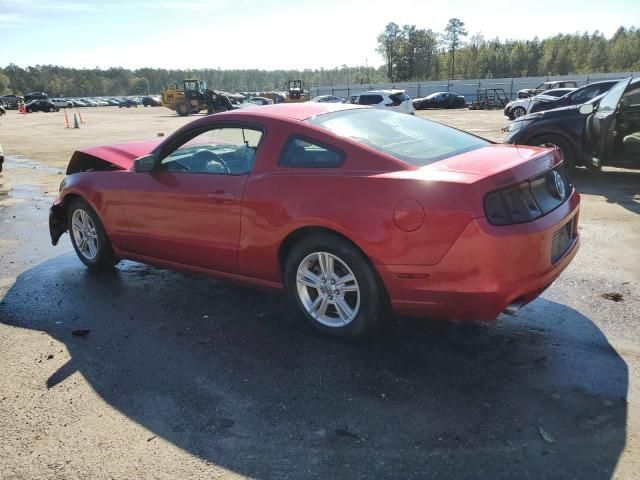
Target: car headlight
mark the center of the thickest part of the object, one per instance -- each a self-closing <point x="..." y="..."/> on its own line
<point x="63" y="184"/>
<point x="518" y="125"/>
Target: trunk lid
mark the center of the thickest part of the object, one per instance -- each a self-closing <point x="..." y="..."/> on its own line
<point x="503" y="164"/>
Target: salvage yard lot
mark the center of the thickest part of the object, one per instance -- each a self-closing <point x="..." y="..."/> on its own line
<point x="187" y="377"/>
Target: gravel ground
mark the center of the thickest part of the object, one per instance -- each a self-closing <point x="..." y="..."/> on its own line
<point x="186" y="377"/>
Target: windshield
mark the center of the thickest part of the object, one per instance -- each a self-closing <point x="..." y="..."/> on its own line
<point x="416" y="141"/>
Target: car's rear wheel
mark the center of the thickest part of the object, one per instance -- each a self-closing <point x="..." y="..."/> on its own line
<point x="559" y="143"/>
<point x="88" y="237"/>
<point x="518" y="112"/>
<point x="334" y="286"/>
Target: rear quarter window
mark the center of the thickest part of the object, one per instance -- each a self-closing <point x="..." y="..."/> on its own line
<point x="399" y="97"/>
<point x="300" y="152"/>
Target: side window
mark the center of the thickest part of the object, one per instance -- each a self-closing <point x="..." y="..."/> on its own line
<point x="370" y="99"/>
<point x="586" y="94"/>
<point x="302" y="153"/>
<point x="221" y="151"/>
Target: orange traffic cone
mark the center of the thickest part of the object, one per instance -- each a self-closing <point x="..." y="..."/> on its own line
<point x="66" y="117"/>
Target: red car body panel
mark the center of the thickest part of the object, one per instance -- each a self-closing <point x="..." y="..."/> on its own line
<point x="423" y="229"/>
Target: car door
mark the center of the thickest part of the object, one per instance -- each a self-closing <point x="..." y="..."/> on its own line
<point x="187" y="209"/>
<point x="601" y="124"/>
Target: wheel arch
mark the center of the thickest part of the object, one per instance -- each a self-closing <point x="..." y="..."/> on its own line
<point x="301" y="233"/>
<point x="559" y="133"/>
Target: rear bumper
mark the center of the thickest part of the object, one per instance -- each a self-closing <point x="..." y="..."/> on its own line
<point x="487" y="269"/>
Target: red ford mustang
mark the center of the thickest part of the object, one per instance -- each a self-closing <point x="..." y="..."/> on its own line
<point x="348" y="209"/>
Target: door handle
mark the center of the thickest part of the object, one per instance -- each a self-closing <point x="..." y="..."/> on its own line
<point x="221" y="196"/>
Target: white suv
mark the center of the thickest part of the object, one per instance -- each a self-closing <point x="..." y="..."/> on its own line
<point x="397" y="100"/>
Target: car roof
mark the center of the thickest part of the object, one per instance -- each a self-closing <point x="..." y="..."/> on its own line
<point x="385" y="91"/>
<point x="293" y="111"/>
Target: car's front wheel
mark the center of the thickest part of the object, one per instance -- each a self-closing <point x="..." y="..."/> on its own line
<point x="555" y="141"/>
<point x="518" y="112"/>
<point x="334" y="286"/>
<point x="88" y="236"/>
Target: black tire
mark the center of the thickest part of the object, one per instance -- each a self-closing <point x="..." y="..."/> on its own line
<point x="104" y="257"/>
<point x="372" y="296"/>
<point x="183" y="109"/>
<point x="563" y="145"/>
<point x="517" y="112"/>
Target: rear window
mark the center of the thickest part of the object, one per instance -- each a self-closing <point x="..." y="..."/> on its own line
<point x="411" y="139"/>
<point x="399" y="97"/>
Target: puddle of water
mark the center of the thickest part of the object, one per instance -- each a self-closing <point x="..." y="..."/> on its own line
<point x="19" y="161"/>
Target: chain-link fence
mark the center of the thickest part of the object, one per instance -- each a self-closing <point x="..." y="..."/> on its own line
<point x="468" y="88"/>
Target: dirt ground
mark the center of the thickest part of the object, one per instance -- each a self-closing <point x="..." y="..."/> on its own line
<point x="187" y="377"/>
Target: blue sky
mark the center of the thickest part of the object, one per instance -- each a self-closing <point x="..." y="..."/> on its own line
<point x="267" y="35"/>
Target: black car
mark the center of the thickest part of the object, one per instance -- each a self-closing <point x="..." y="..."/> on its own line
<point x="603" y="131"/>
<point x="10" y="102"/>
<point x="35" y="96"/>
<point x="41" y="106"/>
<point x="128" y="102"/>
<point x="439" y="100"/>
<point x="151" y="101"/>
<point x="576" y="97"/>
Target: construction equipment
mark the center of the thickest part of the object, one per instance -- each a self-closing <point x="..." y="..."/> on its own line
<point x="295" y="91"/>
<point x="186" y="100"/>
<point x="489" y="99"/>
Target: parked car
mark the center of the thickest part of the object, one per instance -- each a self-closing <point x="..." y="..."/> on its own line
<point x="10" y="102"/>
<point x="576" y="97"/>
<point x="603" y="131"/>
<point x="35" y="96"/>
<point x="435" y="232"/>
<point x="327" y="99"/>
<point x="152" y="101"/>
<point x="543" y="87"/>
<point x="113" y="102"/>
<point x="439" y="100"/>
<point x="521" y="106"/>
<point x="101" y="102"/>
<point x="61" y="102"/>
<point x="41" y="106"/>
<point x="396" y="100"/>
<point x="89" y="102"/>
<point x="78" y="103"/>
<point x="128" y="103"/>
<point x="261" y="101"/>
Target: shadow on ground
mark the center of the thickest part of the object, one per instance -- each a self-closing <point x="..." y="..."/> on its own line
<point x="617" y="186"/>
<point x="230" y="375"/>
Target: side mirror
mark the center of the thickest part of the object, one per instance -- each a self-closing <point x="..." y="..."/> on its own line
<point x="144" y="164"/>
<point x="586" y="109"/>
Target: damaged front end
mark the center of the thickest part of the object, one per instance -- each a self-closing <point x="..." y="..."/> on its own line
<point x="57" y="221"/>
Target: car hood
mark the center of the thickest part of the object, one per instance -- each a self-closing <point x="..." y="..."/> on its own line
<point x="555" y="113"/>
<point x="122" y="155"/>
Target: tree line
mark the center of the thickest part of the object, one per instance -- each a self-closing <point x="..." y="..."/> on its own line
<point x="413" y="53"/>
<point x="72" y="82"/>
<point x="410" y="53"/>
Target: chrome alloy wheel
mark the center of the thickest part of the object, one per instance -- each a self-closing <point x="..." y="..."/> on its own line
<point x="84" y="234"/>
<point x="328" y="289"/>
